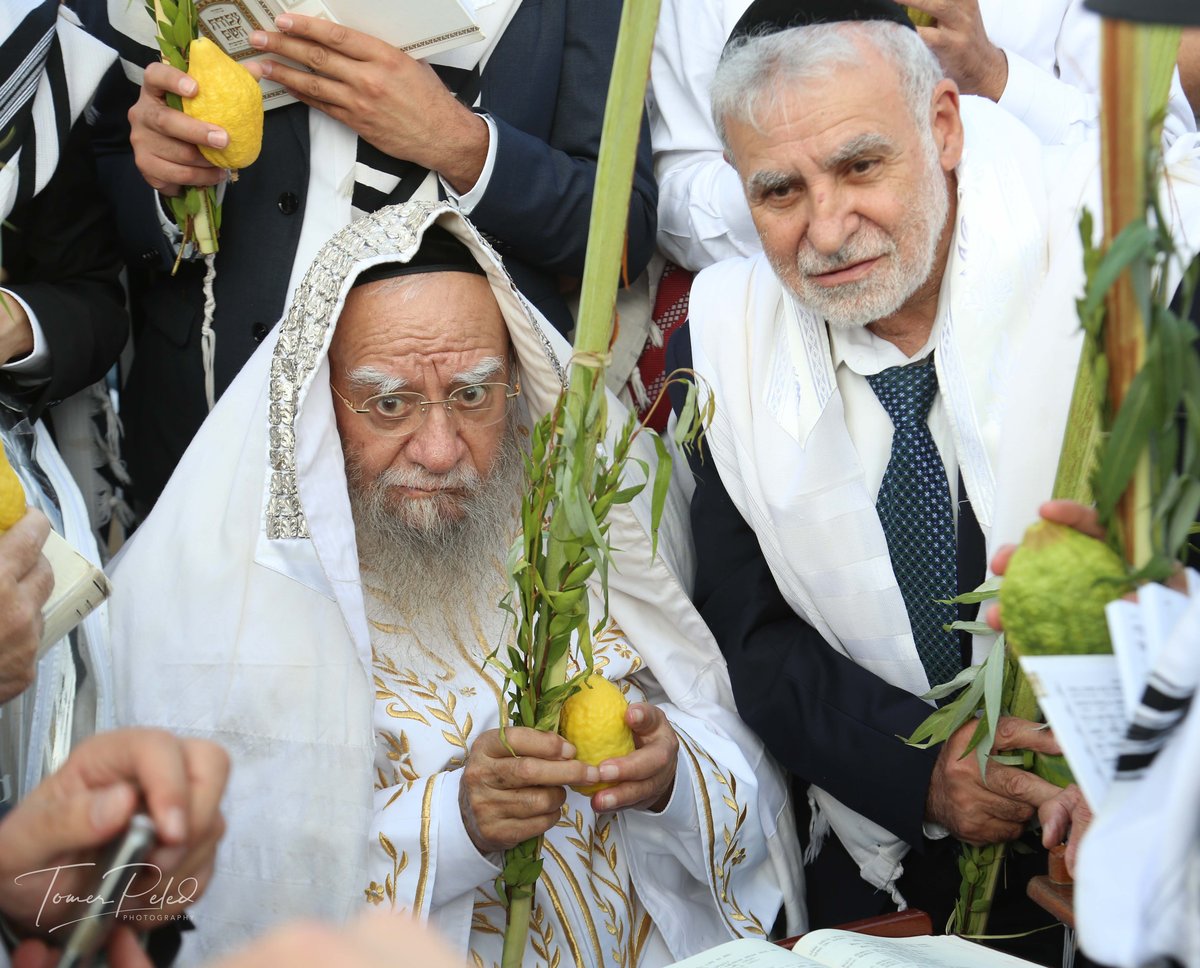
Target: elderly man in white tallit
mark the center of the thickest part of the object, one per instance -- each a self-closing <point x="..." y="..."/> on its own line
<point x="317" y="590"/>
<point x="891" y="378"/>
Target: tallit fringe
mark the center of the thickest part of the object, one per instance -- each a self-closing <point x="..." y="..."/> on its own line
<point x="208" y="337"/>
<point x="818" y="829"/>
<point x="640" y="395"/>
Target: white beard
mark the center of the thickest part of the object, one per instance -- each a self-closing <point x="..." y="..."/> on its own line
<point x="857" y="304"/>
<point x="425" y="562"/>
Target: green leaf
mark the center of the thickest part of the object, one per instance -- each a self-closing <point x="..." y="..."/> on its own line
<point x="1182" y="518"/>
<point x="662" y="483"/>
<point x="687" y="417"/>
<point x="1054" y="769"/>
<point x="940" y="724"/>
<point x="181" y="33"/>
<point x="964" y="678"/>
<point x="975" y="628"/>
<point x="984" y="739"/>
<point x="984" y="593"/>
<point x="1130" y="433"/>
<point x="1135" y="241"/>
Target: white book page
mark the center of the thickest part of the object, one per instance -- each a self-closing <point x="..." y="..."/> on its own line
<point x="1081" y="697"/>
<point x="747" y="953"/>
<point x="1128" y="634"/>
<point x="1161" y="608"/>
<point x="405" y="24"/>
<point x="844" y="949"/>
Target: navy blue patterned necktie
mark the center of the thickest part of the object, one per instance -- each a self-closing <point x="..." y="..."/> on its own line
<point x="918" y="521"/>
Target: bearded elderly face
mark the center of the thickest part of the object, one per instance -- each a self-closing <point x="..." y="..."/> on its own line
<point x="430" y="334"/>
<point x="849" y="193"/>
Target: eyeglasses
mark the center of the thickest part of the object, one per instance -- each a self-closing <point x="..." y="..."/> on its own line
<point x="399" y="414"/>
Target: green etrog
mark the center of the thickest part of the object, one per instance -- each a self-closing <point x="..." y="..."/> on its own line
<point x="1053" y="595"/>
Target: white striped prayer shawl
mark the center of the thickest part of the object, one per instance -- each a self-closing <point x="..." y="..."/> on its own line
<point x="50" y="70"/>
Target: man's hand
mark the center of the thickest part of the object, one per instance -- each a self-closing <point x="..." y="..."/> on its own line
<point x="164" y="140"/>
<point x="961" y="44"/>
<point x="26" y="581"/>
<point x="366" y="943"/>
<point x="994" y="810"/>
<point x="644" y="778"/>
<point x="1065" y="816"/>
<point x="395" y="102"/>
<point x="509" y="796"/>
<point x="16" y="333"/>
<point x="75" y="814"/>
<point x="122" y="950"/>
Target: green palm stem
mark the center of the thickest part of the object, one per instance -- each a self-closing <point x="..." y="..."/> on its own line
<point x="195" y="209"/>
<point x="593" y="331"/>
<point x="1136" y="66"/>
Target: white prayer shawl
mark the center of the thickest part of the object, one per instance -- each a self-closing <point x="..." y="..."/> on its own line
<point x="779" y="437"/>
<point x="1137" y="894"/>
<point x="239" y="616"/>
<point x="60" y="74"/>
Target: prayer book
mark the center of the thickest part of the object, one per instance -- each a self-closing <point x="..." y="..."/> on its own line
<point x="79" y="586"/>
<point x="421" y="28"/>
<point x="1089" y="700"/>
<point x="833" y="948"/>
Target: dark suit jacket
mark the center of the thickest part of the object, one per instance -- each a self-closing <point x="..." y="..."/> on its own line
<point x="826" y="719"/>
<point x="544" y="86"/>
<point x="60" y="256"/>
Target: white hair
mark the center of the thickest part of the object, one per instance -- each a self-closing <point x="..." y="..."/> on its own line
<point x="756" y="71"/>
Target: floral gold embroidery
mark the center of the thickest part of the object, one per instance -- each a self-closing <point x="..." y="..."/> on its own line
<point x="399" y="865"/>
<point x="739" y="921"/>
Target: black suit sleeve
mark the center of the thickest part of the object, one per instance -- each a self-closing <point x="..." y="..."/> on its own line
<point x="824" y="718"/>
<point x="539" y="200"/>
<point x="60" y="256"/>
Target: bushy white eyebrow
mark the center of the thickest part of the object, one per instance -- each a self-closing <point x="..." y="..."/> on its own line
<point x="482" y="372"/>
<point x="764" y="182"/>
<point x="374" y="381"/>
<point x="865" y="144"/>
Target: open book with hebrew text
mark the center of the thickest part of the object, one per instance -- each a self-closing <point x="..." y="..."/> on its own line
<point x="831" y="948"/>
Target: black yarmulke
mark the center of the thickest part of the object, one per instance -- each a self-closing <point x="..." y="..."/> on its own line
<point x="1180" y="13"/>
<point x="771" y="16"/>
<point x="439" y="252"/>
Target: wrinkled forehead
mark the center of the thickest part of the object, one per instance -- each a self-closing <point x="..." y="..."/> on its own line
<point x="445" y="320"/>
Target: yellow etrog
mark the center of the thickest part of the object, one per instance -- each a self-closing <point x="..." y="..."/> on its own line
<point x="12" y="494"/>
<point x="593" y="721"/>
<point x="228" y="96"/>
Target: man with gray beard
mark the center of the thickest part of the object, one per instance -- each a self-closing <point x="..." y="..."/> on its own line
<point x="319" y="588"/>
<point x="920" y="261"/>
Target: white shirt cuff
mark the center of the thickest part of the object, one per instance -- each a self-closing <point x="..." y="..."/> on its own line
<point x="468" y="200"/>
<point x="680" y="811"/>
<point x="1055" y="111"/>
<point x="37" y="362"/>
